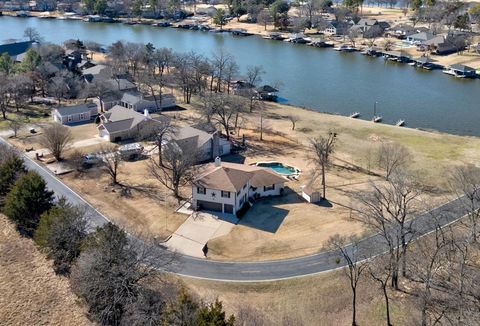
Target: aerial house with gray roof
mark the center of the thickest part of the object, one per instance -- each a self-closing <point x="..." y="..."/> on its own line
<point x="84" y="112"/>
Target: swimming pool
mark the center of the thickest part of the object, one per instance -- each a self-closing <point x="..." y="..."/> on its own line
<point x="280" y="168"/>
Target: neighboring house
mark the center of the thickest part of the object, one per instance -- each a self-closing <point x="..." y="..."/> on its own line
<point x="103" y="74"/>
<point x="75" y="114"/>
<point x="333" y="28"/>
<point x="16" y="50"/>
<point x="121" y="123"/>
<point x="420" y="38"/>
<point x="207" y="144"/>
<point x="226" y="187"/>
<point x="97" y="72"/>
<point x="375" y="27"/>
<point x="136" y="101"/>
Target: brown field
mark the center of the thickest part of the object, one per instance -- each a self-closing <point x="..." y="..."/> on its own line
<point x="323" y="299"/>
<point x="143" y="212"/>
<point x="31" y="293"/>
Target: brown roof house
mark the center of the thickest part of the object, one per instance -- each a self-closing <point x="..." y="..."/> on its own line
<point x="226" y="187"/>
<point x="121" y="123"/>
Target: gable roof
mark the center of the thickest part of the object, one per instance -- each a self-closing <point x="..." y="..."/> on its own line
<point x="98" y="70"/>
<point x="232" y="177"/>
<point x="76" y="109"/>
<point x="122" y="119"/>
<point x="15" y="49"/>
<point x="422" y="36"/>
<point x="192" y="135"/>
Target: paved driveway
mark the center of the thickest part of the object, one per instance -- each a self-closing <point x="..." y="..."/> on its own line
<point x="197" y="230"/>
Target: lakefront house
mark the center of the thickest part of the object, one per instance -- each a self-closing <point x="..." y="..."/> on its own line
<point x="226" y="187"/>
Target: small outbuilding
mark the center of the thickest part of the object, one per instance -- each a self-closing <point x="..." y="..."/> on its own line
<point x="311" y="195"/>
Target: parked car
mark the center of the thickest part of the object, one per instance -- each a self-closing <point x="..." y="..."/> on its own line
<point x="91" y="159"/>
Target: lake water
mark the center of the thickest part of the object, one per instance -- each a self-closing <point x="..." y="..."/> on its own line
<point x="321" y="79"/>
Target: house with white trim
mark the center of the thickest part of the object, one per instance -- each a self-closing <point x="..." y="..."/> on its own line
<point x="227" y="187"/>
<point x="120" y="124"/>
<point x="84" y="112"/>
<point x="208" y="144"/>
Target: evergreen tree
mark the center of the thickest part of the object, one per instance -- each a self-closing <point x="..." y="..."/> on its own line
<point x="214" y="315"/>
<point x="62" y="230"/>
<point x="10" y="171"/>
<point x="26" y="201"/>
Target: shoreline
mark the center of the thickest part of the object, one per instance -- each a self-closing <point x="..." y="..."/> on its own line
<point x="251" y="29"/>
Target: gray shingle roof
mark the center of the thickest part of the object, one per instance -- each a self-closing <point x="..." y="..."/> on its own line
<point x="76" y="109"/>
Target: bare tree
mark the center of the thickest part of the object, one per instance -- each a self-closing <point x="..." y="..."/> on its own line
<point x="388" y="44"/>
<point x="388" y="209"/>
<point x="5" y="94"/>
<point x="348" y="249"/>
<point x="465" y="181"/>
<point x="32" y="34"/>
<point x="175" y="168"/>
<point x="112" y="160"/>
<point x="223" y="109"/>
<point x="322" y="147"/>
<point x="56" y="138"/>
<point x="264" y="18"/>
<point x="380" y="270"/>
<point x="393" y="158"/>
<point x="15" y="125"/>
<point x="293" y="119"/>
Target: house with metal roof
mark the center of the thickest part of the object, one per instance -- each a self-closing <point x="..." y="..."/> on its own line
<point x="84" y="112"/>
<point x="16" y="50"/>
<point x="227" y="187"/>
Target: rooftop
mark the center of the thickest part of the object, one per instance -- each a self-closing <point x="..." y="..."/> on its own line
<point x="232" y="177"/>
<point x="76" y="109"/>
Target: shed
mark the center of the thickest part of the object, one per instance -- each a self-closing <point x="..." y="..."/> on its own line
<point x="311" y="195"/>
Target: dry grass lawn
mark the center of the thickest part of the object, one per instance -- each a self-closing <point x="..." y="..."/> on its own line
<point x="323" y="299"/>
<point x="143" y="212"/>
<point x="31" y="293"/>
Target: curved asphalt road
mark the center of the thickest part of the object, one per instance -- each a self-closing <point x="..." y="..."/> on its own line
<point x="267" y="270"/>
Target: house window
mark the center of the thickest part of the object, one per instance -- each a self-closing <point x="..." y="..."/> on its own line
<point x="69" y="118"/>
<point x="241" y="201"/>
<point x="267" y="188"/>
<point x="225" y="194"/>
<point x="82" y="116"/>
<point x="201" y="190"/>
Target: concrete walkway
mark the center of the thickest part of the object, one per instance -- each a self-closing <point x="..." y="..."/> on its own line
<point x="197" y="230"/>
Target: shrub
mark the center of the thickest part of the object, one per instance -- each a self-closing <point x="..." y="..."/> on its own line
<point x="62" y="230"/>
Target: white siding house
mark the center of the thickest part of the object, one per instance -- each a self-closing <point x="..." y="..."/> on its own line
<point x="226" y="187"/>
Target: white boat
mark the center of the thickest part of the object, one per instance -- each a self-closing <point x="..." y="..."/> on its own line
<point x="377" y="119"/>
<point x="449" y="72"/>
<point x="354" y="115"/>
<point x="400" y="123"/>
<point x="344" y="48"/>
<point x="412" y="63"/>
